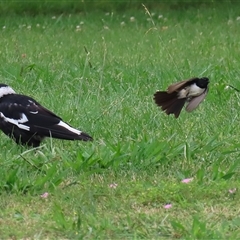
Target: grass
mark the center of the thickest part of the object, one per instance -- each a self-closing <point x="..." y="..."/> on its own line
<point x="99" y="73"/>
<point x="46" y="7"/>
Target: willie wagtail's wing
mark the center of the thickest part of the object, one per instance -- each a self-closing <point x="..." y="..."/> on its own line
<point x="195" y="101"/>
<point x="180" y="85"/>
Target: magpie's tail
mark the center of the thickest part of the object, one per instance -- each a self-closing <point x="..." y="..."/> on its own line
<point x="62" y="131"/>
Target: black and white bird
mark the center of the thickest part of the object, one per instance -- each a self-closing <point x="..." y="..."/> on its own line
<point x="28" y="123"/>
<point x="193" y="91"/>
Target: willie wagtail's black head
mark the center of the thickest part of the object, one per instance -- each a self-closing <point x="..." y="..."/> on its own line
<point x="202" y="82"/>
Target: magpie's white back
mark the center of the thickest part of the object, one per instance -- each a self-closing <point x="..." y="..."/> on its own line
<point x="28" y="123"/>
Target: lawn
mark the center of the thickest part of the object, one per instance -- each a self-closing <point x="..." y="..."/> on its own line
<point x="99" y="71"/>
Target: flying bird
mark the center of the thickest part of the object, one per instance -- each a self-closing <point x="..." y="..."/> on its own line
<point x="27" y="122"/>
<point x="193" y="91"/>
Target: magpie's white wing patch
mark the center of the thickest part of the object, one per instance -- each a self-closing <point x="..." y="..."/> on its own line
<point x="64" y="125"/>
<point x="36" y="112"/>
<point x="17" y="122"/>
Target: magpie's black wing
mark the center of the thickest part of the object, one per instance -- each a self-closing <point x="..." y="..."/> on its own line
<point x="28" y="115"/>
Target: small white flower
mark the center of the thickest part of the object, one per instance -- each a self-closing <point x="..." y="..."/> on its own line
<point x="167" y="206"/>
<point x="122" y="23"/>
<point x="44" y="195"/>
<point x="187" y="180"/>
<point x="78" y="29"/>
<point x="160" y="16"/>
<point x="238" y="18"/>
<point x="132" y="19"/>
<point x="232" y="191"/>
<point x="113" y="185"/>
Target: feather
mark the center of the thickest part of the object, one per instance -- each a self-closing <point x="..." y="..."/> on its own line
<point x="27" y="122"/>
<point x="180" y="85"/>
<point x="194" y="102"/>
<point x="169" y="102"/>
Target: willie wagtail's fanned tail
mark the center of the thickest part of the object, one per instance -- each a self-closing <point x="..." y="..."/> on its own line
<point x="169" y="102"/>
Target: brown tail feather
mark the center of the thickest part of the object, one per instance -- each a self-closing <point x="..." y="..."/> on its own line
<point x="169" y="102"/>
<point x="176" y="107"/>
<point x="162" y="96"/>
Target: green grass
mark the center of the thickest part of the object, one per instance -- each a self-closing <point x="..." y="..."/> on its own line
<point x="99" y="72"/>
<point x="28" y="7"/>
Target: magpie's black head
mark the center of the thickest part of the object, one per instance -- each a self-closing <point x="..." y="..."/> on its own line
<point x="202" y="82"/>
<point x="5" y="90"/>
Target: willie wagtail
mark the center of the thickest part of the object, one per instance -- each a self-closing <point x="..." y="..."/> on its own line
<point x="193" y="91"/>
<point x="28" y="123"/>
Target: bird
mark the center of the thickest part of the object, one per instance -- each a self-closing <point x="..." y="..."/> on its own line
<point x="27" y="122"/>
<point x="193" y="91"/>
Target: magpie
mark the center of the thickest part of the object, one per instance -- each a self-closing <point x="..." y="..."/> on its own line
<point x="27" y="122"/>
<point x="193" y="91"/>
